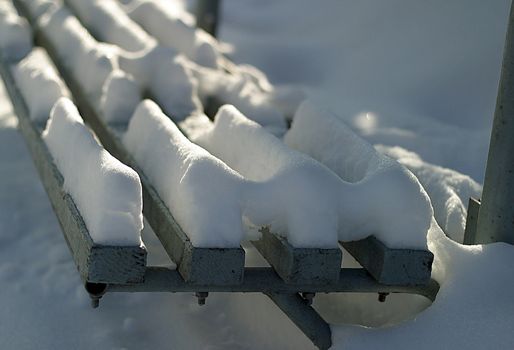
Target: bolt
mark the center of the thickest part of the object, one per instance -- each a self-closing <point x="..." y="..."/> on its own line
<point x="96" y="291"/>
<point x="95" y="302"/>
<point x="202" y="296"/>
<point x="308" y="297"/>
<point x="382" y="297"/>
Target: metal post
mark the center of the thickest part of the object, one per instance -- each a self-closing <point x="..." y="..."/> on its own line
<point x="207" y="15"/>
<point x="496" y="214"/>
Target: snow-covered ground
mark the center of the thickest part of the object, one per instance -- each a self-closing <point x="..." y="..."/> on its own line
<point x="417" y="80"/>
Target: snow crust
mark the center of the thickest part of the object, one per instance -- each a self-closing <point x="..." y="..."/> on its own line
<point x="381" y="197"/>
<point x="201" y="191"/>
<point x="39" y="83"/>
<point x="107" y="192"/>
<point x="15" y="33"/>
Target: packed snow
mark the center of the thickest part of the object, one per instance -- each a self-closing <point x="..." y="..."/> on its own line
<point x="107" y="193"/>
<point x="39" y="83"/>
<point x="416" y="80"/>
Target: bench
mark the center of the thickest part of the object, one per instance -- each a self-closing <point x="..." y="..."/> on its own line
<point x="295" y="275"/>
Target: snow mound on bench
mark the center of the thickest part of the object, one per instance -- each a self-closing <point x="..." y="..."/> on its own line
<point x="107" y="193"/>
<point x="110" y="23"/>
<point x="242" y="89"/>
<point x="162" y="71"/>
<point x="382" y="198"/>
<point x="90" y="61"/>
<point x="15" y="33"/>
<point x="289" y="191"/>
<point x="120" y="96"/>
<point x="159" y="20"/>
<point x="448" y="189"/>
<point x="201" y="192"/>
<point x="39" y="83"/>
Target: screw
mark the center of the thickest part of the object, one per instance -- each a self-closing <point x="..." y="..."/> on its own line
<point x="202" y="296"/>
<point x="308" y="297"/>
<point x="382" y="297"/>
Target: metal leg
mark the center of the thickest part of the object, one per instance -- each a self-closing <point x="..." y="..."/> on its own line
<point x="305" y="318"/>
<point x="207" y="15"/>
<point x="496" y="215"/>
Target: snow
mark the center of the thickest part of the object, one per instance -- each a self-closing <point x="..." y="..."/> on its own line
<point x="39" y="84"/>
<point x="160" y="20"/>
<point x="243" y="91"/>
<point x="286" y="190"/>
<point x="163" y="73"/>
<point x="420" y="76"/>
<point x="107" y="193"/>
<point x="473" y="309"/>
<point x="377" y="195"/>
<point x="91" y="62"/>
<point x="200" y="190"/>
<point x="107" y="24"/>
<point x="15" y="33"/>
<point x="120" y="96"/>
<point x="448" y="190"/>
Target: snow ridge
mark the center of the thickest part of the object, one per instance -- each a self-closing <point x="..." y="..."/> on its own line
<point x="107" y="192"/>
<point x="39" y="83"/>
<point x="383" y="197"/>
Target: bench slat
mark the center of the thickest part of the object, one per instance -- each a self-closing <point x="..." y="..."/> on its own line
<point x="196" y="265"/>
<point x="299" y="265"/>
<point x="96" y="263"/>
<point x="392" y="266"/>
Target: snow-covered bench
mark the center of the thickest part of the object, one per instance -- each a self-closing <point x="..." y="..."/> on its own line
<point x="100" y="256"/>
<point x="299" y="269"/>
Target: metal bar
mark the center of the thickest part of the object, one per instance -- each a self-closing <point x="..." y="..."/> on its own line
<point x="496" y="215"/>
<point x="299" y="265"/>
<point x="96" y="263"/>
<point x="471" y="221"/>
<point x="305" y="318"/>
<point x="207" y="15"/>
<point x="208" y="265"/>
<point x="391" y="266"/>
<point x="265" y="280"/>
